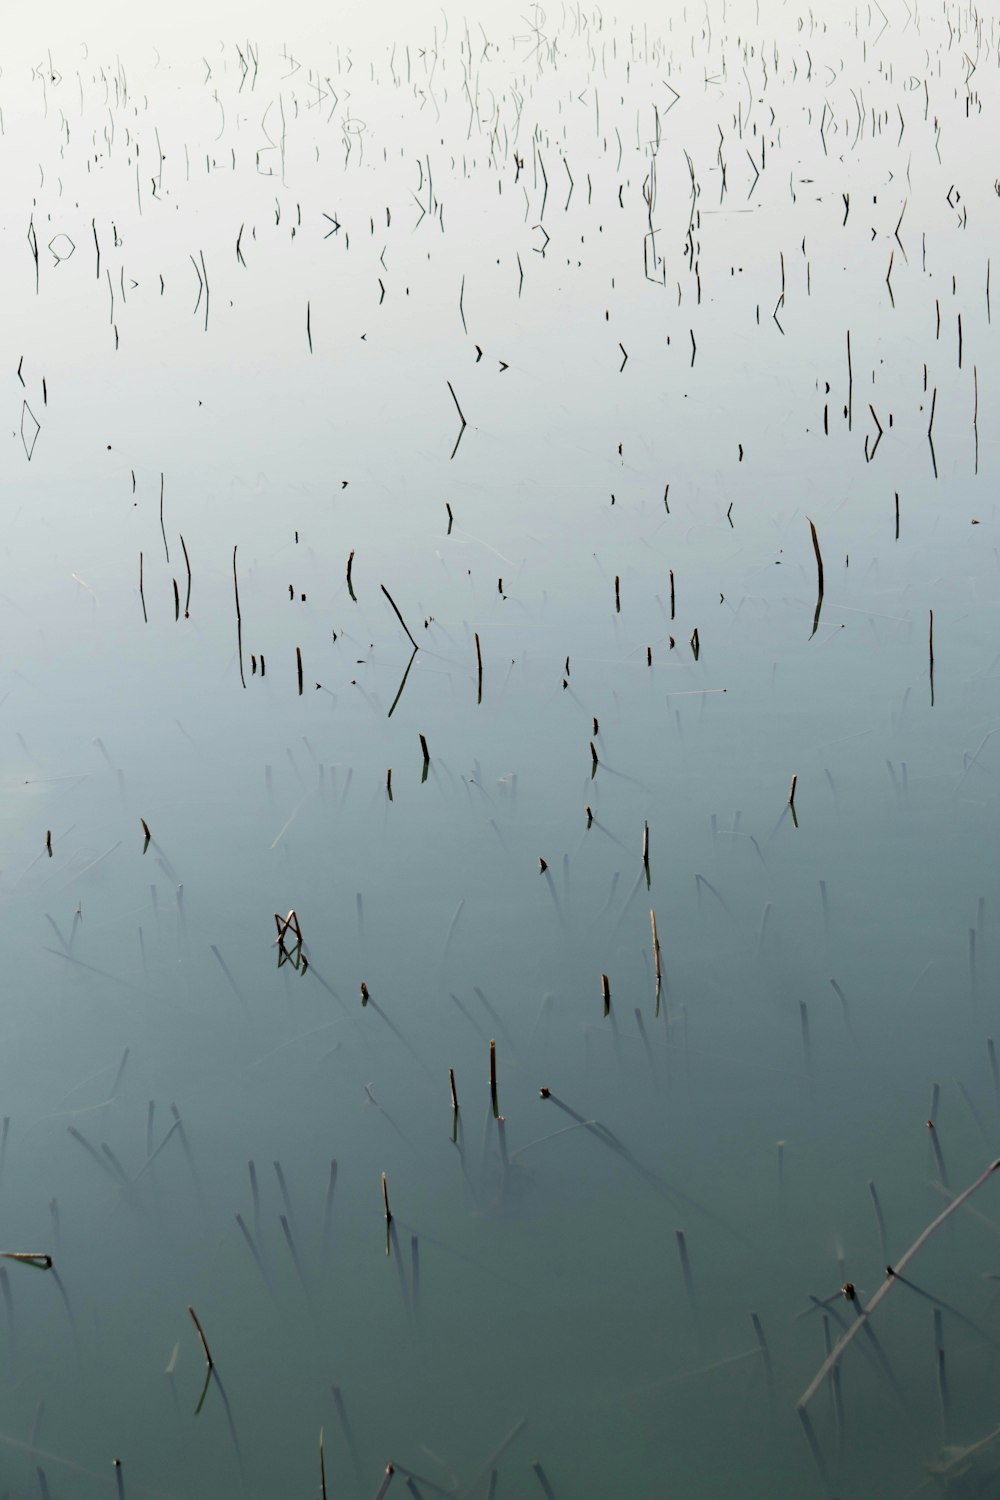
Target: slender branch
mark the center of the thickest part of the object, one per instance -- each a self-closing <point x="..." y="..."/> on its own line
<point x="834" y="1356"/>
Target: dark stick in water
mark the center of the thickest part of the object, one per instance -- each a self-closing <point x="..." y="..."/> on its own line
<point x="187" y="564"/>
<point x="493" y="1078"/>
<point x="201" y="1334"/>
<point x="819" y="578"/>
<point x="399" y="617"/>
<point x="239" y="620"/>
<point x="162" y="527"/>
<point x="387" y="1480"/>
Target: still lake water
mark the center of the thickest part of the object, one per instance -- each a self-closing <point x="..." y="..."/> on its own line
<point x="559" y="329"/>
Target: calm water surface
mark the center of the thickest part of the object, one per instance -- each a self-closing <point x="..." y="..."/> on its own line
<point x="558" y="328"/>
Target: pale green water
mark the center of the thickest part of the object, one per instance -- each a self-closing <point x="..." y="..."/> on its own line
<point x="551" y="1288"/>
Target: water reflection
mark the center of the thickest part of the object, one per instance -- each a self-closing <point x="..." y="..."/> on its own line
<point x="507" y="509"/>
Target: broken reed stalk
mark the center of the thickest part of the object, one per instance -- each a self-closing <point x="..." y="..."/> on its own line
<point x="454" y="1091"/>
<point x="819" y="555"/>
<point x="298" y="666"/>
<point x="322" y="1466"/>
<point x="390" y="1469"/>
<point x="791" y="792"/>
<point x="606" y="993"/>
<point x="479" y="667"/>
<point x="142" y="596"/>
<point x="656" y="948"/>
<point x="930" y="432"/>
<point x="239" y="620"/>
<point x="426" y="752"/>
<point x="36" y="1258"/>
<point x="162" y="527"/>
<point x="645" y="850"/>
<point x="399" y="617"/>
<point x="493" y="1079"/>
<point x="187" y="564"/>
<point x="461" y="417"/>
<point x="819" y="578"/>
<point x="350" y="585"/>
<point x="863" y="1318"/>
<point x="204" y="1342"/>
<point x="385" y="1200"/>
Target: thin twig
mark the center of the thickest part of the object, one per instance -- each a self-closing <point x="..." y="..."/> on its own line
<point x="862" y="1320"/>
<point x="399" y="617"/>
